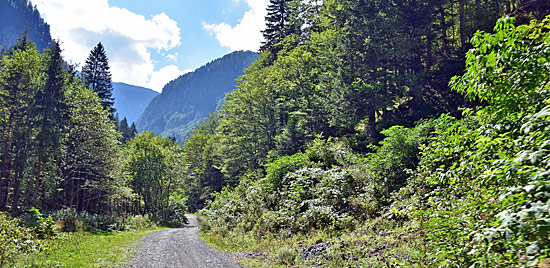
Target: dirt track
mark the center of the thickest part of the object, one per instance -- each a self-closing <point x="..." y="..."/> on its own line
<point x="181" y="247"/>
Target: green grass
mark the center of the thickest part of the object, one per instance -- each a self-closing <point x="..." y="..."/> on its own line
<point x="373" y="243"/>
<point x="87" y="250"/>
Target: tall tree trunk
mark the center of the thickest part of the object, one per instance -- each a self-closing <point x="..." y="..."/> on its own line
<point x="444" y="29"/>
<point x="462" y="15"/>
<point x="6" y="162"/>
<point x="429" y="52"/>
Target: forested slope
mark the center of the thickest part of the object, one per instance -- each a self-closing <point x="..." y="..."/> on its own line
<point x="189" y="99"/>
<point x="18" y="15"/>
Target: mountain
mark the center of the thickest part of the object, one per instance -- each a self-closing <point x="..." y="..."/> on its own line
<point x="18" y="15"/>
<point x="189" y="99"/>
<point x="131" y="101"/>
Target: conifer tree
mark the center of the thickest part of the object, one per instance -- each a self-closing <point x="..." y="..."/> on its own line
<point x="98" y="76"/>
<point x="125" y="130"/>
<point x="133" y="129"/>
<point x="277" y="18"/>
<point x="51" y="112"/>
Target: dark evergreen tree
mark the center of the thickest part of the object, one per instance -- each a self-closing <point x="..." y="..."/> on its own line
<point x="278" y="14"/>
<point x="23" y="42"/>
<point x="127" y="132"/>
<point x="51" y="112"/>
<point x="97" y="76"/>
<point x="133" y="128"/>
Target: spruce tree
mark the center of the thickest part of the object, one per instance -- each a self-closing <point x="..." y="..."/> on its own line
<point x="97" y="76"/>
<point x="278" y="15"/>
<point x="50" y="111"/>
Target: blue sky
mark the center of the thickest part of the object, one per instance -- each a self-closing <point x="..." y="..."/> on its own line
<point x="150" y="43"/>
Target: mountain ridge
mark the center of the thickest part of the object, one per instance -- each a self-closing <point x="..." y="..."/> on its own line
<point x="18" y="16"/>
<point x="131" y="101"/>
<point x="189" y="99"/>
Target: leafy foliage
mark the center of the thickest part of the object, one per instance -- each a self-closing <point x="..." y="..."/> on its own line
<point x="327" y="187"/>
<point x="15" y="240"/>
<point x="494" y="162"/>
<point x="155" y="173"/>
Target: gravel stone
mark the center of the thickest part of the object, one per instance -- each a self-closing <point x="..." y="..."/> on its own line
<point x="178" y="247"/>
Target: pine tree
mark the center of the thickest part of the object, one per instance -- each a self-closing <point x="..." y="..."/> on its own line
<point x="98" y="77"/>
<point x="277" y="18"/>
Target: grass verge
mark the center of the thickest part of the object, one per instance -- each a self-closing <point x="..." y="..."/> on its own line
<point x="375" y="243"/>
<point x="83" y="249"/>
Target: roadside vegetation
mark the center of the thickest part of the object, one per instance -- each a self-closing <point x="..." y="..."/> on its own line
<point x="68" y="176"/>
<point x="453" y="190"/>
<point x="70" y="239"/>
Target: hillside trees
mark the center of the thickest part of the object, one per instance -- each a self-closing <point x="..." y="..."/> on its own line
<point x="17" y="16"/>
<point x="466" y="189"/>
<point x="352" y="69"/>
<point x="189" y="99"/>
<point x="494" y="163"/>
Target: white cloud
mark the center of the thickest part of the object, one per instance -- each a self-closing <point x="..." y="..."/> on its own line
<point x="172" y="57"/>
<point x="159" y="79"/>
<point x="247" y="34"/>
<point x="128" y="38"/>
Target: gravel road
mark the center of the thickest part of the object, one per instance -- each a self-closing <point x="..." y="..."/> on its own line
<point x="181" y="247"/>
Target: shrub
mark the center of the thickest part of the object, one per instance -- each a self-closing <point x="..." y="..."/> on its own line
<point x="68" y="220"/>
<point x="43" y="227"/>
<point x="15" y="239"/>
<point x="174" y="214"/>
<point x="286" y="255"/>
<point x="276" y="170"/>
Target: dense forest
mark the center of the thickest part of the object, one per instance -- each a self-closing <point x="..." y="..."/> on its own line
<point x="373" y="133"/>
<point x="189" y="99"/>
<point x="18" y="15"/>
